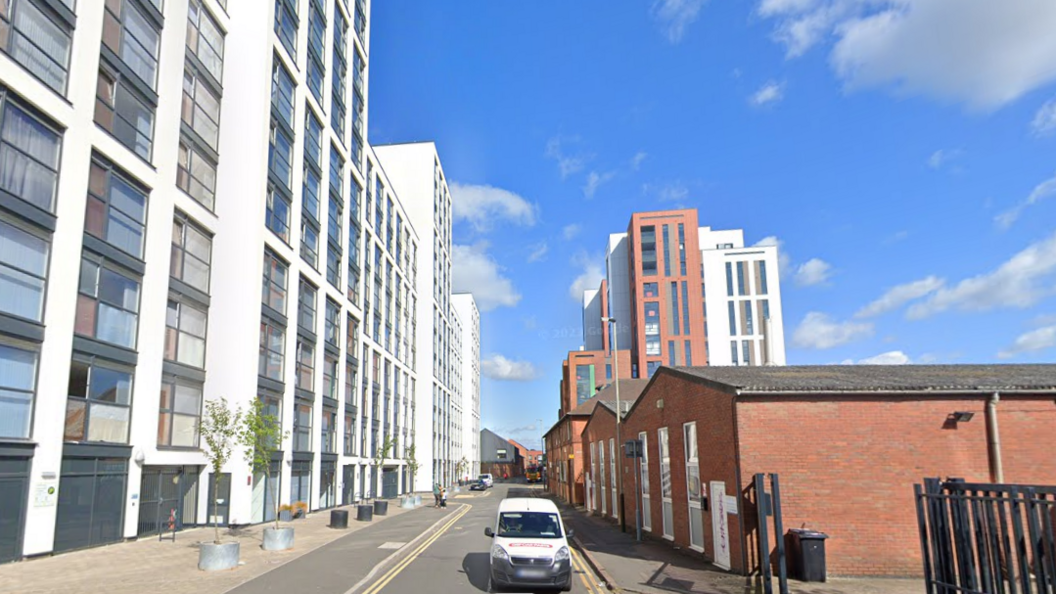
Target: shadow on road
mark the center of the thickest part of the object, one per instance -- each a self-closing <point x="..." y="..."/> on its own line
<point x="477" y="567"/>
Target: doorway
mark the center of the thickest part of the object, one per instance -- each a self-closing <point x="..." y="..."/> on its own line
<point x="220" y="509"/>
<point x="165" y="490"/>
<point x="91" y="505"/>
<point x="348" y="484"/>
<point x="14" y="487"/>
<point x="390" y="483"/>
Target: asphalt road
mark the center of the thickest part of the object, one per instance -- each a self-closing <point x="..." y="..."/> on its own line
<point x="456" y="558"/>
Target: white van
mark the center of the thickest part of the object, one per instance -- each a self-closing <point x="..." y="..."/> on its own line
<point x="530" y="546"/>
<point x="487" y="479"/>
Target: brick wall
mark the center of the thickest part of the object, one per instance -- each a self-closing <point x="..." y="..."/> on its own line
<point x="562" y="442"/>
<point x="601" y="427"/>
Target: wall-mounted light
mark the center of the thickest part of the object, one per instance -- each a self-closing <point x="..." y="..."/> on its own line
<point x="960" y="416"/>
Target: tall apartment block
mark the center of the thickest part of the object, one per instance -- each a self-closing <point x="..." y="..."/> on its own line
<point x="422" y="185"/>
<point x="189" y="210"/>
<point x="466" y="309"/>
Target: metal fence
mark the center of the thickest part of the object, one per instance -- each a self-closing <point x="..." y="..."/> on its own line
<point x="987" y="538"/>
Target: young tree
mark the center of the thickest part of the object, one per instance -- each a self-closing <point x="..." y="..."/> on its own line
<point x="261" y="434"/>
<point x="463" y="468"/>
<point x="219" y="428"/>
<point x="380" y="456"/>
<point x="410" y="456"/>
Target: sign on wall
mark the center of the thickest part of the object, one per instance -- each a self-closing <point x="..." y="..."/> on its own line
<point x="719" y="527"/>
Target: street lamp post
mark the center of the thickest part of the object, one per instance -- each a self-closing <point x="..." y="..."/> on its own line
<point x="619" y="418"/>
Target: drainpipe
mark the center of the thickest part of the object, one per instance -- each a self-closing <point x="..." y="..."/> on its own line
<point x="997" y="473"/>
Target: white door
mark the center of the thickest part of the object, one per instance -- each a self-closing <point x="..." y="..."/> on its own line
<point x="592" y="504"/>
<point x="665" y="485"/>
<point x="719" y="527"/>
<point x="613" y="477"/>
<point x="601" y="484"/>
<point x="647" y="520"/>
<point x="693" y="495"/>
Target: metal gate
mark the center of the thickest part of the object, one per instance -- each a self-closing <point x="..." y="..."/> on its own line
<point x="769" y="505"/>
<point x="987" y="538"/>
<point x="390" y="483"/>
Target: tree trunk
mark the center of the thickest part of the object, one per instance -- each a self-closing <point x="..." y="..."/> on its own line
<point x="216" y="506"/>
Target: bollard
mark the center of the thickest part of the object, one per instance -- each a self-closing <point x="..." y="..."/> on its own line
<point x="339" y="518"/>
<point x="364" y="513"/>
<point x="381" y="508"/>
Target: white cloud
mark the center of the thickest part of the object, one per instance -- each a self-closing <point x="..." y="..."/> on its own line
<point x="899" y="295"/>
<point x="1035" y="340"/>
<point x="675" y="15"/>
<point x="500" y="368"/>
<point x="474" y="271"/>
<point x="1044" y="122"/>
<point x="784" y="261"/>
<point x="566" y="164"/>
<point x="675" y="191"/>
<point x="571" y="231"/>
<point x="1015" y="283"/>
<point x="1041" y="191"/>
<point x="771" y="92"/>
<point x="984" y="53"/>
<point x="888" y="358"/>
<point x="813" y="272"/>
<point x="590" y="276"/>
<point x="595" y="180"/>
<point x="820" y="331"/>
<point x="482" y="206"/>
<point x="636" y="160"/>
<point x="539" y="251"/>
<point x="942" y="157"/>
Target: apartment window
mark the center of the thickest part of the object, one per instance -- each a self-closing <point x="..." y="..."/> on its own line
<point x="729" y="279"/>
<point x="99" y="403"/>
<point x="305" y="365"/>
<point x="133" y="37"/>
<point x="328" y="433"/>
<point x="23" y="272"/>
<point x="333" y="323"/>
<point x="274" y="293"/>
<point x="313" y="139"/>
<point x="282" y="86"/>
<point x="316" y="63"/>
<point x="741" y="288"/>
<point x="649" y="251"/>
<point x="733" y="351"/>
<point x="746" y="311"/>
<point x="185" y="327"/>
<point x="280" y="155"/>
<point x="671" y="353"/>
<point x="36" y="38"/>
<point x="731" y="309"/>
<point x="196" y="174"/>
<point x="682" y="249"/>
<point x="762" y="277"/>
<point x="200" y="109"/>
<point x="667" y="251"/>
<point x="116" y="210"/>
<point x="673" y="303"/>
<point x="306" y="306"/>
<point x="205" y="39"/>
<point x="608" y="371"/>
<point x="29" y="151"/>
<point x="286" y="25"/>
<point x="350" y="434"/>
<point x="124" y="113"/>
<point x="272" y="344"/>
<point x="652" y="318"/>
<point x="338" y="84"/>
<point x="107" y="305"/>
<point x="302" y="427"/>
<point x="180" y="412"/>
<point x="766" y="309"/>
<point x="746" y="351"/>
<point x="652" y="366"/>
<point x="650" y="290"/>
<point x="278" y="214"/>
<point x="652" y="346"/>
<point x="191" y="255"/>
<point x="685" y="308"/>
<point x="309" y="243"/>
<point x="330" y="376"/>
<point x="18" y="384"/>
<point x="689" y="354"/>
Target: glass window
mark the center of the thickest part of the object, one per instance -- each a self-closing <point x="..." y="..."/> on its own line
<point x="274" y="293"/>
<point x="729" y="279"/>
<point x="350" y="434"/>
<point x="685" y="308"/>
<point x="762" y="277"/>
<point x="107" y="305"/>
<point x="689" y="354"/>
<point x="746" y="348"/>
<point x="36" y="40"/>
<point x="674" y="309"/>
<point x="333" y="323"/>
<point x="741" y="288"/>
<point x="671" y="353"/>
<point x="309" y="243"/>
<point x="316" y="62"/>
<point x="282" y="86"/>
<point x="682" y="249"/>
<point x="286" y="25"/>
<point x="18" y="383"/>
<point x="116" y="210"/>
<point x="328" y="431"/>
<point x="667" y="251"/>
<point x="302" y="427"/>
<point x="652" y="345"/>
<point x="278" y="214"/>
<point x="29" y="157"/>
<point x="99" y="401"/>
<point x="313" y="139"/>
<point x="305" y="365"/>
<point x="746" y="311"/>
<point x="122" y="112"/>
<point x="648" y="237"/>
<point x="205" y="39"/>
<point x="179" y="414"/>
<point x="306" y="306"/>
<point x="280" y="155"/>
<point x="200" y="109"/>
<point x="733" y="351"/>
<point x="130" y="35"/>
<point x="272" y="344"/>
<point x="185" y="327"/>
<point x="652" y="366"/>
<point x="333" y="264"/>
<point x="191" y="255"/>
<point x="23" y="272"/>
<point x="310" y="197"/>
<point x="652" y="318"/>
<point x="330" y="376"/>
<point x="196" y="174"/>
<point x="650" y="290"/>
<point x="733" y="318"/>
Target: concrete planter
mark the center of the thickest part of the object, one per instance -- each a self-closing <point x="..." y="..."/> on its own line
<point x="277" y="539"/>
<point x="216" y="557"/>
<point x="417" y="499"/>
<point x="407" y="503"/>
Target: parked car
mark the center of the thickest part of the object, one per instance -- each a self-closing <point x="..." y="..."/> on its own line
<point x="529" y="546"/>
<point x="478" y="486"/>
<point x="487" y="479"/>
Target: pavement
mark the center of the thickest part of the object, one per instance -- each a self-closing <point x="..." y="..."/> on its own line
<point x="655" y="567"/>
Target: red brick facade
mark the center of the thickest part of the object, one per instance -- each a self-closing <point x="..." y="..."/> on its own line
<point x="847" y="463"/>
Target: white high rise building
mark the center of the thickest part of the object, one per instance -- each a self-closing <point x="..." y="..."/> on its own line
<point x="422" y="185"/>
<point x="466" y="310"/>
<point x="189" y="207"/>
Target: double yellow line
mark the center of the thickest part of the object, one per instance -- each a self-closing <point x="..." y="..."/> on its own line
<point x="392" y="573"/>
<point x="580" y="567"/>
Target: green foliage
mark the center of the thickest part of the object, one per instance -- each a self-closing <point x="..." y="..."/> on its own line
<point x="219" y="428"/>
<point x="409" y="456"/>
<point x="261" y="434"/>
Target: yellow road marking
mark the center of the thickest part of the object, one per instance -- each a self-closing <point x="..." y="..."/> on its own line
<point x="579" y="565"/>
<point x="392" y="573"/>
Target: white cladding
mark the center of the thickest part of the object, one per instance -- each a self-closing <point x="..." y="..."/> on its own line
<point x="466" y="309"/>
<point x="592" y="326"/>
<point x="617" y="268"/>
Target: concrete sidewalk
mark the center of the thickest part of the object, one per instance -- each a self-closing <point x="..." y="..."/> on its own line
<point x="148" y="565"/>
<point x="652" y="567"/>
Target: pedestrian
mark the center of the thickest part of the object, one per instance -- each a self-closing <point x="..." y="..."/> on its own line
<point x="443" y="497"/>
<point x="436" y="494"/>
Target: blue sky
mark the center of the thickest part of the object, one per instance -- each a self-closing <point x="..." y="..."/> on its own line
<point x="901" y="152"/>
